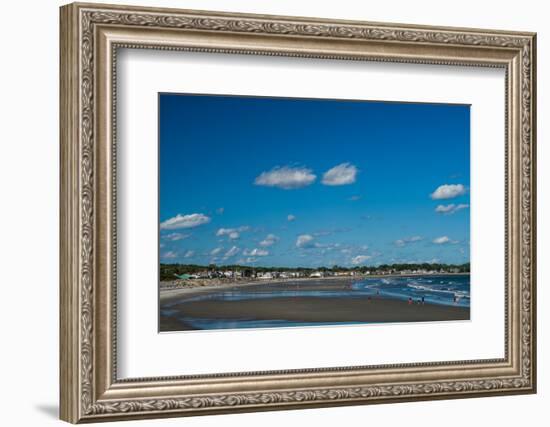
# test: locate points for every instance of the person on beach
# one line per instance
(422, 299)
(410, 300)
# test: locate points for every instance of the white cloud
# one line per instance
(174, 237)
(355, 198)
(360, 259)
(405, 241)
(269, 240)
(184, 221)
(304, 241)
(189, 254)
(441, 240)
(169, 255)
(256, 252)
(445, 208)
(343, 174)
(448, 191)
(287, 178)
(232, 252)
(224, 231)
(451, 208)
(232, 233)
(215, 251)
(248, 260)
(290, 218)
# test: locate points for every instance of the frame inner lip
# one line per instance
(340, 370)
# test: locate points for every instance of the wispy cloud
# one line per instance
(331, 231)
(249, 260)
(169, 255)
(441, 240)
(184, 221)
(305, 241)
(405, 241)
(328, 246)
(451, 208)
(360, 259)
(215, 251)
(355, 198)
(290, 218)
(189, 254)
(232, 233)
(286, 177)
(220, 211)
(269, 240)
(343, 174)
(174, 237)
(448, 191)
(256, 252)
(232, 252)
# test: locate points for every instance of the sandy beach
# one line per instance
(170, 293)
(178, 305)
(176, 288)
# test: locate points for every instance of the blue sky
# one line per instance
(312, 182)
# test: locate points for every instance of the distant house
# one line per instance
(317, 274)
(247, 273)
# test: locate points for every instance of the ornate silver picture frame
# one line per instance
(91, 390)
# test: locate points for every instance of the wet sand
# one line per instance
(327, 283)
(311, 309)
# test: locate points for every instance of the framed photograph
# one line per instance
(265, 212)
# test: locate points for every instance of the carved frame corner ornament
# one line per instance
(90, 36)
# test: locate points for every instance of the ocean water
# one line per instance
(435, 289)
(446, 290)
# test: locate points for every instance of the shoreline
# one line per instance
(170, 293)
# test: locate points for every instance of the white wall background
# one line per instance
(29, 170)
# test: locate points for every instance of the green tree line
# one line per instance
(168, 271)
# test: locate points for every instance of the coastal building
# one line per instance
(248, 273)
